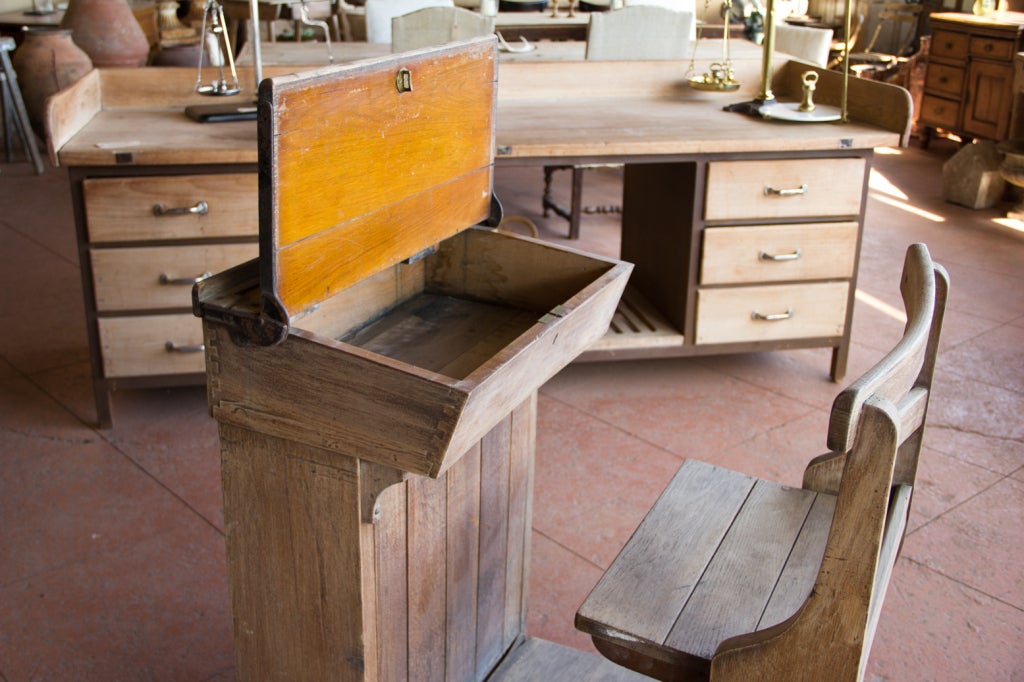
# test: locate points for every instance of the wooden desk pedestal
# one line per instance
(334, 576)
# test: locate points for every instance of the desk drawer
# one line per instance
(159, 277)
(172, 207)
(940, 112)
(138, 346)
(949, 44)
(992, 48)
(948, 80)
(793, 311)
(791, 188)
(777, 253)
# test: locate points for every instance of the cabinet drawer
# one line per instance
(171, 207)
(949, 44)
(138, 346)
(159, 277)
(791, 188)
(992, 48)
(794, 311)
(940, 112)
(948, 80)
(776, 253)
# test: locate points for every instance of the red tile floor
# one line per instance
(111, 541)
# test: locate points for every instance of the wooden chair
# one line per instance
(804, 42)
(379, 14)
(735, 578)
(642, 31)
(900, 21)
(437, 26)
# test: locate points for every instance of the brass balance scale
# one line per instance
(720, 77)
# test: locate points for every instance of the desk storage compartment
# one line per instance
(771, 313)
(789, 188)
(413, 365)
(940, 112)
(949, 44)
(776, 253)
(945, 79)
(991, 48)
(159, 277)
(150, 208)
(151, 345)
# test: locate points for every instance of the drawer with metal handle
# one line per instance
(778, 253)
(148, 208)
(153, 278)
(151, 345)
(786, 188)
(771, 312)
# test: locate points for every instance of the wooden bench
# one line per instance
(734, 578)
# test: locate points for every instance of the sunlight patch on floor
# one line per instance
(881, 306)
(902, 205)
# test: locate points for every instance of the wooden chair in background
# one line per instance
(379, 14)
(734, 578)
(807, 43)
(642, 31)
(437, 26)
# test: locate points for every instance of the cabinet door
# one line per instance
(987, 111)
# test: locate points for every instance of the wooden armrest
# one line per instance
(718, 555)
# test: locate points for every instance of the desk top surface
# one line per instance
(605, 111)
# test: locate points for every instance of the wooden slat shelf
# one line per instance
(638, 324)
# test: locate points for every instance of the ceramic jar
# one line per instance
(108, 32)
(48, 60)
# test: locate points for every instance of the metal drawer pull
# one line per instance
(796, 191)
(171, 347)
(201, 208)
(772, 318)
(167, 279)
(764, 255)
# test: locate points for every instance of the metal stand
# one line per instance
(11, 96)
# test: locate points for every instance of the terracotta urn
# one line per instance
(108, 32)
(48, 60)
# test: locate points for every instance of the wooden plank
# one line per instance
(642, 593)
(361, 173)
(391, 571)
(802, 567)
(496, 455)
(463, 556)
(427, 539)
(520, 518)
(735, 588)
(294, 577)
(68, 110)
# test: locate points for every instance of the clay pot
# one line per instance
(47, 61)
(107, 31)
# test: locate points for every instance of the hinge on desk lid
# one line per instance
(232, 298)
(496, 214)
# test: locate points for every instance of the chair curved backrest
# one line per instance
(875, 423)
(804, 42)
(676, 5)
(436, 26)
(379, 14)
(639, 32)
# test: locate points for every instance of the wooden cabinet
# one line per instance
(761, 253)
(145, 239)
(969, 82)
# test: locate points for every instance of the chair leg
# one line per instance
(572, 214)
(11, 90)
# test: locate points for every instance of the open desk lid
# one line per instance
(364, 165)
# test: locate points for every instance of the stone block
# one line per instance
(971, 176)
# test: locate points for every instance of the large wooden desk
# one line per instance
(694, 205)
